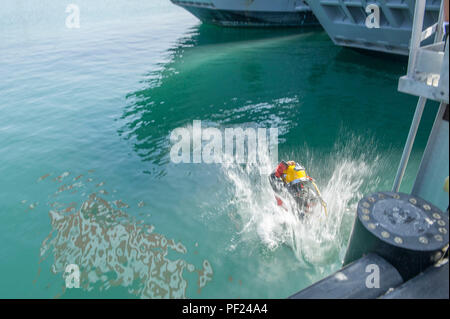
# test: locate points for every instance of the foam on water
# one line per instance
(112, 248)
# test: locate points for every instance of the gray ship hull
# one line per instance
(345, 23)
(248, 16)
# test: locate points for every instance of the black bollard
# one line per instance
(405, 230)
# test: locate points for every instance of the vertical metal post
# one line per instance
(416, 34)
(409, 143)
(439, 30)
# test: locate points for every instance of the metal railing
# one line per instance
(427, 76)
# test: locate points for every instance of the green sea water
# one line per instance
(85, 173)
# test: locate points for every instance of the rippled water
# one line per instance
(86, 178)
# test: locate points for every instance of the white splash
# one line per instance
(319, 239)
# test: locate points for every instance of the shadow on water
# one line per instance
(224, 76)
(284, 78)
(211, 34)
(373, 60)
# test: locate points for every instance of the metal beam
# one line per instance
(409, 143)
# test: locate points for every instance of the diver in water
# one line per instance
(291, 177)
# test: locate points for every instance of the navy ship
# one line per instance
(348, 23)
(252, 13)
